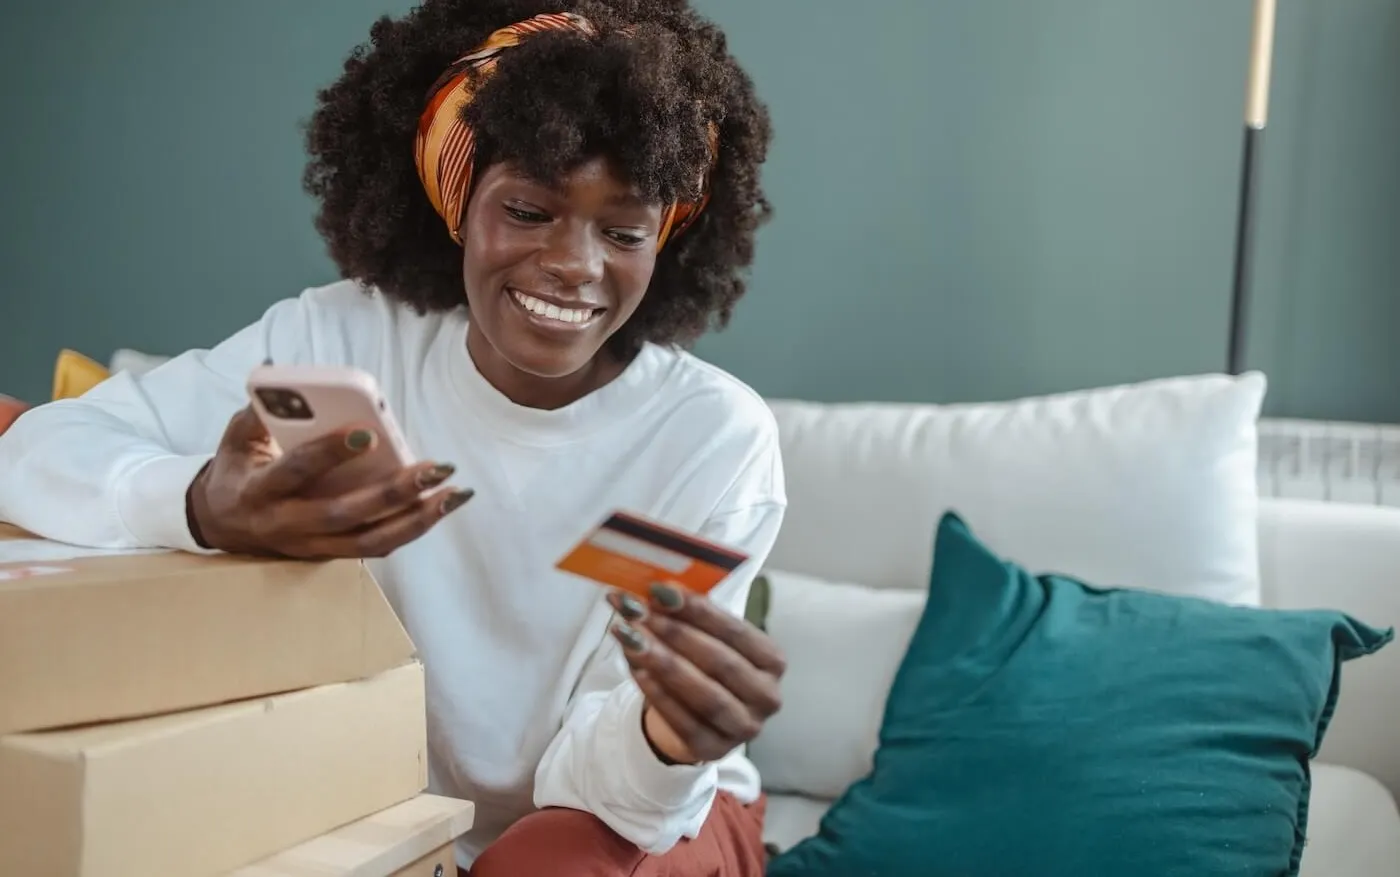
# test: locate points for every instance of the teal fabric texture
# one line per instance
(1041, 725)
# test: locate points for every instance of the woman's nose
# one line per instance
(573, 255)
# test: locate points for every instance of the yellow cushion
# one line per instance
(75, 374)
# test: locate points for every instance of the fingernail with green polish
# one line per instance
(456, 500)
(630, 638)
(667, 596)
(630, 607)
(359, 440)
(436, 475)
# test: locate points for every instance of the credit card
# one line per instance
(630, 552)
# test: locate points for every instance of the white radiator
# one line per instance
(1330, 461)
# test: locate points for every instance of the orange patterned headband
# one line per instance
(445, 147)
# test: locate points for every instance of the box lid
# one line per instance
(90, 636)
(377, 846)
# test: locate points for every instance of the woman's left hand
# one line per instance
(710, 679)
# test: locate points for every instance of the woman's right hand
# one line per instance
(248, 500)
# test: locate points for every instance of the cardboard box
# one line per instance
(199, 793)
(89, 636)
(436, 864)
(413, 839)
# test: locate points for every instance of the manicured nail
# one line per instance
(456, 500)
(630, 638)
(667, 596)
(436, 475)
(359, 440)
(630, 607)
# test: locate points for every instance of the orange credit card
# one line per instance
(633, 553)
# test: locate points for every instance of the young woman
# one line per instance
(535, 204)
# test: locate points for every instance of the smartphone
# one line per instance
(301, 403)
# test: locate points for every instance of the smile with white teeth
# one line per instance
(551, 311)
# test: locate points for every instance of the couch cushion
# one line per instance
(1032, 707)
(74, 374)
(135, 362)
(1152, 485)
(837, 637)
(1347, 557)
(1353, 825)
(10, 410)
(792, 818)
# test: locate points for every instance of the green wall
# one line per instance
(976, 199)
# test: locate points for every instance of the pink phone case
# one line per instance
(300, 403)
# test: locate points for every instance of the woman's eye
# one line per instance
(627, 238)
(522, 215)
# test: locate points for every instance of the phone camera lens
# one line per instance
(285, 404)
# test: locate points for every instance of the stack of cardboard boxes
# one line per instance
(167, 714)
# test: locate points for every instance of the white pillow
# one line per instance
(843, 644)
(135, 361)
(1149, 485)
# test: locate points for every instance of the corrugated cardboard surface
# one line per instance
(199, 793)
(440, 863)
(87, 638)
(406, 840)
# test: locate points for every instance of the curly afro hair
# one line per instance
(641, 100)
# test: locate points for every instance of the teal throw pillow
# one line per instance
(1040, 725)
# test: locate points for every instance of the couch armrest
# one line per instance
(1322, 555)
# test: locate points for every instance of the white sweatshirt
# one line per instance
(529, 700)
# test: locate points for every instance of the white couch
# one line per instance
(1309, 555)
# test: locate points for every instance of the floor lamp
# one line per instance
(1256, 117)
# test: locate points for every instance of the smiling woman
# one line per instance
(535, 206)
(654, 202)
(553, 271)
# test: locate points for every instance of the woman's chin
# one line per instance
(541, 356)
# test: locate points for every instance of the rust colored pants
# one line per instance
(570, 843)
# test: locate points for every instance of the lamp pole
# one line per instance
(1256, 118)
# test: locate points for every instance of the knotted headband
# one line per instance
(445, 147)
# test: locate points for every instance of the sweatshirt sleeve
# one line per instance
(600, 761)
(110, 469)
